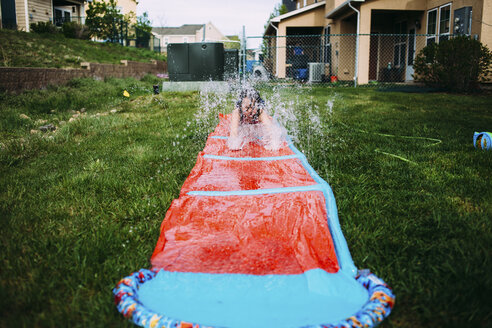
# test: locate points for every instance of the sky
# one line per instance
(228, 16)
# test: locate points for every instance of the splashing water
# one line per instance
(211, 104)
(295, 112)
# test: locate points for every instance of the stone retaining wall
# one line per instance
(17, 79)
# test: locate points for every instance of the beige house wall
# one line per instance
(346, 45)
(179, 38)
(127, 6)
(39, 11)
(21, 15)
(211, 34)
(315, 17)
(485, 30)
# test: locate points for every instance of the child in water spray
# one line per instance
(250, 121)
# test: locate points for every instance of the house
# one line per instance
(19, 14)
(371, 40)
(188, 33)
(127, 7)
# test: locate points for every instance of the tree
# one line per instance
(144, 23)
(458, 64)
(278, 10)
(105, 21)
(235, 44)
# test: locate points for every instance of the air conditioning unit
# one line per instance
(316, 71)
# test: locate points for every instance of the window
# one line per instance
(166, 41)
(185, 39)
(327, 45)
(431, 26)
(468, 32)
(62, 15)
(444, 22)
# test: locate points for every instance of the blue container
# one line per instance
(301, 74)
(482, 140)
(250, 64)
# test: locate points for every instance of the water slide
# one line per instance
(253, 241)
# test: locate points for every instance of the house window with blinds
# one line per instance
(431, 26)
(444, 22)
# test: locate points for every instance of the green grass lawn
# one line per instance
(81, 207)
(22, 49)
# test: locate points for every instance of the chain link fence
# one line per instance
(337, 59)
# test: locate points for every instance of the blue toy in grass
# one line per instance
(482, 140)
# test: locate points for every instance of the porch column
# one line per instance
(26, 10)
(364, 45)
(281, 50)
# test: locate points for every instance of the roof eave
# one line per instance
(269, 28)
(335, 12)
(276, 20)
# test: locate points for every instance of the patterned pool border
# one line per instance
(378, 307)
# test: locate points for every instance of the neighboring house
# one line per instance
(127, 7)
(438, 19)
(188, 33)
(19, 14)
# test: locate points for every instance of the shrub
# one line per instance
(458, 64)
(105, 20)
(150, 78)
(75, 30)
(43, 27)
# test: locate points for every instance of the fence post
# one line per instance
(276, 50)
(244, 43)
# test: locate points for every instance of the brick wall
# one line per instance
(17, 79)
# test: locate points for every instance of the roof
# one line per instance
(276, 20)
(187, 29)
(342, 8)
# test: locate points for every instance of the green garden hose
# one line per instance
(435, 141)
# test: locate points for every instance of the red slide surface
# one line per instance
(280, 231)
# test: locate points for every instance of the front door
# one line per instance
(411, 54)
(8, 17)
